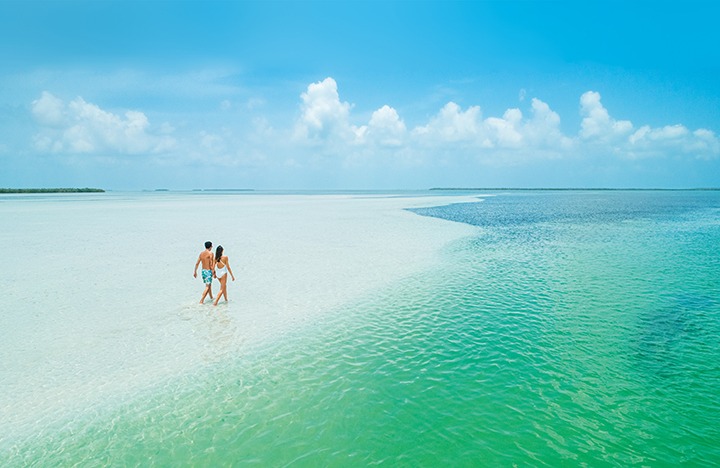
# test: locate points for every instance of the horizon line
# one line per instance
(7, 190)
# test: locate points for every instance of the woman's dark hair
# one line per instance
(218, 253)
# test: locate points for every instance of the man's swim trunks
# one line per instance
(207, 276)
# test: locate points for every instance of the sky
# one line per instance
(132, 95)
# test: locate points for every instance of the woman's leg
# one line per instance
(219, 294)
(223, 284)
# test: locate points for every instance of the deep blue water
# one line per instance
(507, 209)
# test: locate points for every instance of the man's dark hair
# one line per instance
(208, 244)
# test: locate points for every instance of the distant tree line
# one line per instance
(578, 189)
(51, 190)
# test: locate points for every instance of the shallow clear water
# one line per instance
(574, 328)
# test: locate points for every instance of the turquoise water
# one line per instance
(574, 328)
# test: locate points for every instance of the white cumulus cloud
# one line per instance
(326, 120)
(505, 132)
(49, 110)
(597, 123)
(542, 130)
(511, 131)
(386, 127)
(620, 138)
(673, 139)
(323, 114)
(83, 127)
(453, 124)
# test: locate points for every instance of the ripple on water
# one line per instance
(590, 342)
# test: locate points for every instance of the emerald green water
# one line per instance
(573, 329)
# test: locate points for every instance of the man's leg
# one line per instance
(207, 279)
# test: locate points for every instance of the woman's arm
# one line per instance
(227, 263)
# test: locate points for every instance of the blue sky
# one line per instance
(353, 95)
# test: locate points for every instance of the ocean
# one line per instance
(551, 328)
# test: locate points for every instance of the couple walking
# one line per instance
(213, 266)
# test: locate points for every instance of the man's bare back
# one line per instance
(207, 260)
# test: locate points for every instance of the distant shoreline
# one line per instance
(51, 190)
(439, 189)
(573, 189)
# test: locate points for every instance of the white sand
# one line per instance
(299, 256)
(104, 305)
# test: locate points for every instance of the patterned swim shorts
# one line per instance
(207, 276)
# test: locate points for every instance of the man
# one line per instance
(208, 262)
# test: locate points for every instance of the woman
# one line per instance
(222, 268)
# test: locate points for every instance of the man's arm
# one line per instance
(196, 265)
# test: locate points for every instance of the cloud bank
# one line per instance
(325, 125)
(79, 127)
(514, 136)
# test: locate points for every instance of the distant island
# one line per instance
(51, 190)
(476, 189)
(225, 190)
